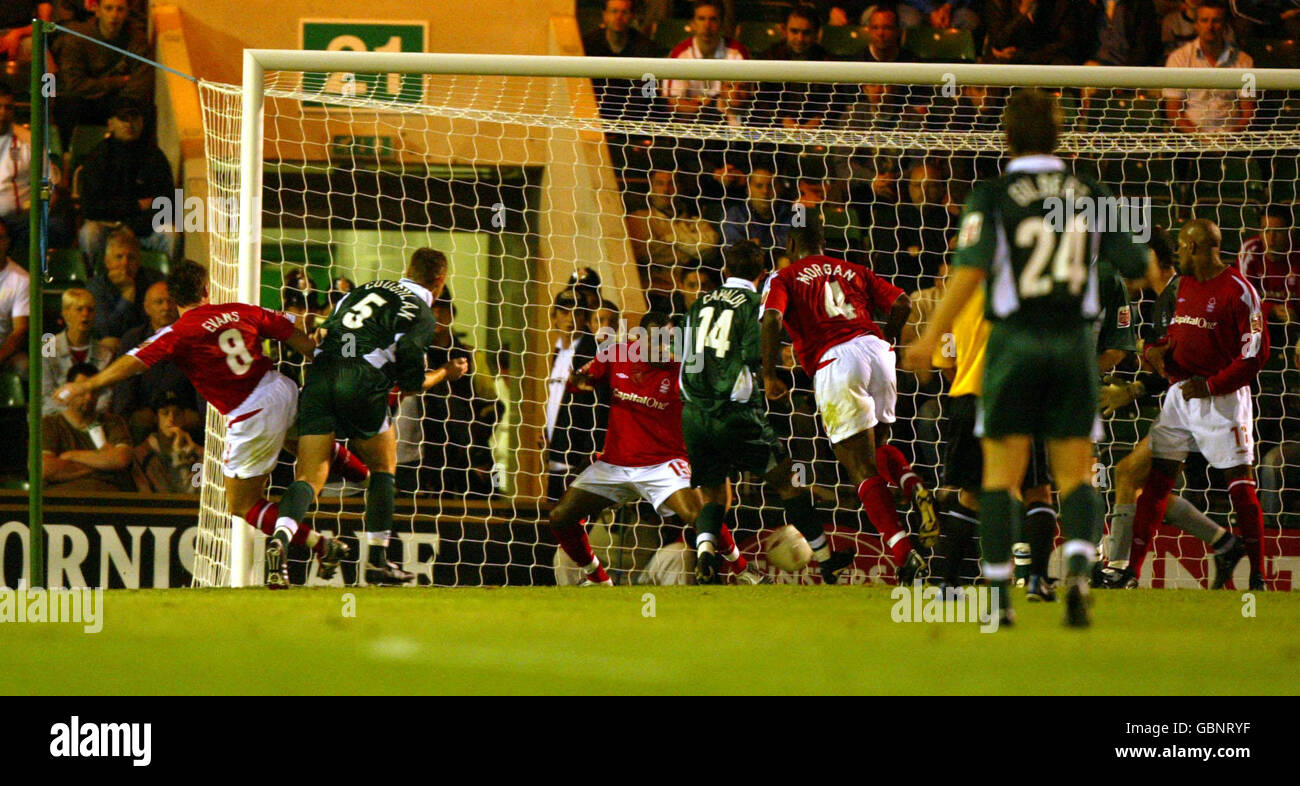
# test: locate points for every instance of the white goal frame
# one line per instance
(257, 62)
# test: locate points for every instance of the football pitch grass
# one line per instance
(783, 640)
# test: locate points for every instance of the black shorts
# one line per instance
(963, 461)
(346, 398)
(725, 442)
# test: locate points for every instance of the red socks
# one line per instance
(727, 548)
(1150, 512)
(1250, 518)
(893, 467)
(574, 542)
(879, 504)
(346, 464)
(263, 515)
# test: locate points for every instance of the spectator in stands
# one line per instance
(1195, 111)
(923, 228)
(1123, 33)
(457, 421)
(669, 232)
(571, 417)
(619, 98)
(15, 169)
(694, 284)
(16, 27)
(1179, 27)
(169, 458)
(120, 181)
(878, 106)
(120, 288)
(1271, 262)
(15, 310)
(885, 37)
(938, 14)
(93, 78)
(131, 398)
(795, 104)
(1036, 31)
(339, 289)
(85, 449)
(605, 322)
(708, 100)
(74, 345)
(762, 217)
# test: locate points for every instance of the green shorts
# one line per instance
(348, 399)
(1039, 382)
(727, 441)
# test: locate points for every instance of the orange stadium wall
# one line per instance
(581, 211)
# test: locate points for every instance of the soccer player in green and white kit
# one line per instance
(1041, 275)
(376, 338)
(724, 416)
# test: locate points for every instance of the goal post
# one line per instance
(506, 161)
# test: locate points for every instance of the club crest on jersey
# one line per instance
(1123, 317)
(663, 387)
(1209, 307)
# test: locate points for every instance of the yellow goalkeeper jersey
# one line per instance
(965, 350)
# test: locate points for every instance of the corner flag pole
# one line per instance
(40, 191)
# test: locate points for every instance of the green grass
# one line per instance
(770, 640)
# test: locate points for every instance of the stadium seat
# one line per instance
(12, 393)
(766, 11)
(758, 37)
(15, 484)
(671, 32)
(84, 139)
(155, 260)
(940, 46)
(66, 267)
(1275, 53)
(843, 40)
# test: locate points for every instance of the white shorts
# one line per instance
(654, 484)
(255, 429)
(856, 386)
(1218, 427)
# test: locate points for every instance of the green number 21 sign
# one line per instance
(348, 35)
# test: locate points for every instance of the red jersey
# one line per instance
(825, 302)
(645, 410)
(1276, 276)
(219, 349)
(1217, 332)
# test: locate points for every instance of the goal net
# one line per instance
(572, 195)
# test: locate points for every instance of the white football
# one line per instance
(787, 549)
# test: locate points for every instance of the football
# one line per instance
(787, 549)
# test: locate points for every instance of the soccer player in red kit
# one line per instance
(1215, 347)
(644, 456)
(828, 306)
(219, 349)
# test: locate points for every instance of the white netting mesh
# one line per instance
(524, 181)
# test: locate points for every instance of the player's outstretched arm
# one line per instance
(962, 284)
(450, 371)
(770, 346)
(301, 343)
(120, 369)
(897, 318)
